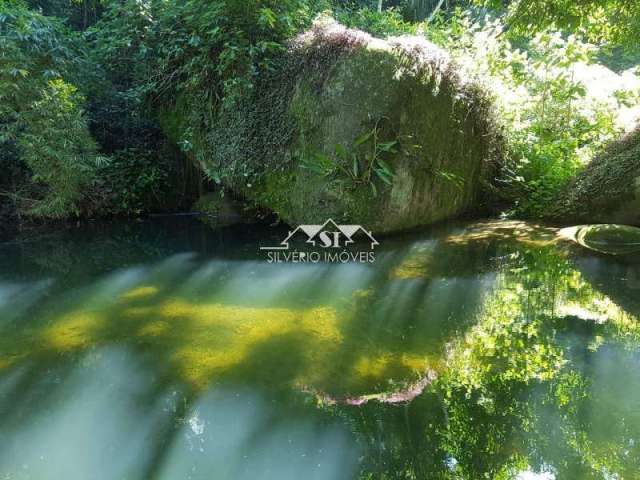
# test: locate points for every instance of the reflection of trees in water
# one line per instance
(343, 329)
(530, 386)
(527, 352)
(80, 253)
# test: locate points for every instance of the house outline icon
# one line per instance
(312, 231)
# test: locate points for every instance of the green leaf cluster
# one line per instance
(359, 164)
(42, 121)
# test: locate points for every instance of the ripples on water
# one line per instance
(165, 350)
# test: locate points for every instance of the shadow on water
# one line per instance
(164, 350)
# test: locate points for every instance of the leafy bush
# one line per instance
(56, 145)
(212, 49)
(552, 125)
(133, 182)
(41, 114)
(382, 24)
(603, 21)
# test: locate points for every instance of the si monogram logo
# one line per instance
(324, 241)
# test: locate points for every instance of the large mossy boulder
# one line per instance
(382, 133)
(608, 190)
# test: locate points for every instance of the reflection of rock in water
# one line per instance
(468, 250)
(403, 395)
(607, 258)
(617, 278)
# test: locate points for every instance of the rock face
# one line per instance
(609, 239)
(608, 191)
(378, 133)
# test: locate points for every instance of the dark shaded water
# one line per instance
(166, 350)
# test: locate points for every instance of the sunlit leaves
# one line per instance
(616, 21)
(41, 110)
(55, 143)
(554, 123)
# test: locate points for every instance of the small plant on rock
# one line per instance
(359, 164)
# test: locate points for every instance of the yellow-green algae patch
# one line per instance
(223, 336)
(155, 329)
(379, 365)
(73, 331)
(416, 265)
(201, 343)
(142, 292)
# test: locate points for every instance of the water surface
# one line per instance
(164, 349)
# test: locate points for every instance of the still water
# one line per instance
(167, 350)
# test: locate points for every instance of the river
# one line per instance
(165, 349)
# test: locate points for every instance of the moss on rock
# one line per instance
(371, 112)
(608, 190)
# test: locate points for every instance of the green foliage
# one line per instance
(49, 130)
(56, 145)
(34, 48)
(121, 44)
(203, 57)
(385, 23)
(553, 125)
(133, 182)
(561, 130)
(602, 21)
(212, 50)
(358, 164)
(41, 114)
(79, 14)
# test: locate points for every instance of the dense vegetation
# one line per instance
(85, 87)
